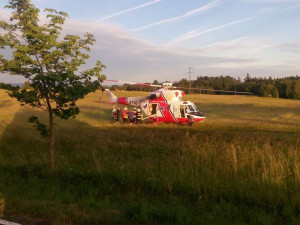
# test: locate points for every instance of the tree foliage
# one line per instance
(287, 87)
(49, 61)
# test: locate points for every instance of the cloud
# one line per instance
(269, 1)
(292, 7)
(129, 10)
(134, 59)
(279, 8)
(187, 14)
(4, 14)
(290, 47)
(238, 47)
(11, 79)
(38, 1)
(196, 33)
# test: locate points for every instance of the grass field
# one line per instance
(241, 166)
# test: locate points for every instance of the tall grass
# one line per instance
(241, 166)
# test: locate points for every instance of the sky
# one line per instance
(147, 40)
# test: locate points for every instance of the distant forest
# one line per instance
(287, 87)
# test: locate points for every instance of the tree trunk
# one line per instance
(51, 141)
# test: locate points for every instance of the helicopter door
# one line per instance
(152, 109)
(182, 111)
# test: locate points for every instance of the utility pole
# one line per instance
(190, 77)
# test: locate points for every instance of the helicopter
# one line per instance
(164, 105)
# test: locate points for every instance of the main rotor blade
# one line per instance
(141, 84)
(205, 89)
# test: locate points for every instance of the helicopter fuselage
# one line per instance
(163, 106)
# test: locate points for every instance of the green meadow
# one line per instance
(240, 166)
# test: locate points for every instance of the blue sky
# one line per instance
(143, 40)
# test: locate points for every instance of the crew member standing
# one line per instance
(130, 116)
(115, 115)
(125, 115)
(134, 115)
(139, 116)
(119, 115)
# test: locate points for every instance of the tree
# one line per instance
(288, 89)
(155, 82)
(296, 89)
(265, 90)
(247, 78)
(275, 92)
(50, 62)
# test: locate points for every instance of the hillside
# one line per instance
(241, 166)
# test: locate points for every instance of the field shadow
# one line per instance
(91, 165)
(108, 173)
(5, 103)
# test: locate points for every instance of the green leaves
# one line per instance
(8, 87)
(95, 71)
(67, 113)
(47, 60)
(49, 63)
(42, 128)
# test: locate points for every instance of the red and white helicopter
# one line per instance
(162, 105)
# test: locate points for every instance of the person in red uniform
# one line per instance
(125, 115)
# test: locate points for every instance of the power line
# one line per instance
(190, 79)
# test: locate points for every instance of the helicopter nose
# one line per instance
(200, 114)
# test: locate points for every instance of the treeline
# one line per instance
(287, 87)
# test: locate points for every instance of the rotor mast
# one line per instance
(167, 85)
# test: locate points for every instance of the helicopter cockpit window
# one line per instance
(195, 107)
(191, 108)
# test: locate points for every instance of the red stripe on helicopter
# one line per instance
(123, 101)
(159, 118)
(169, 116)
(173, 115)
(162, 95)
(143, 84)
